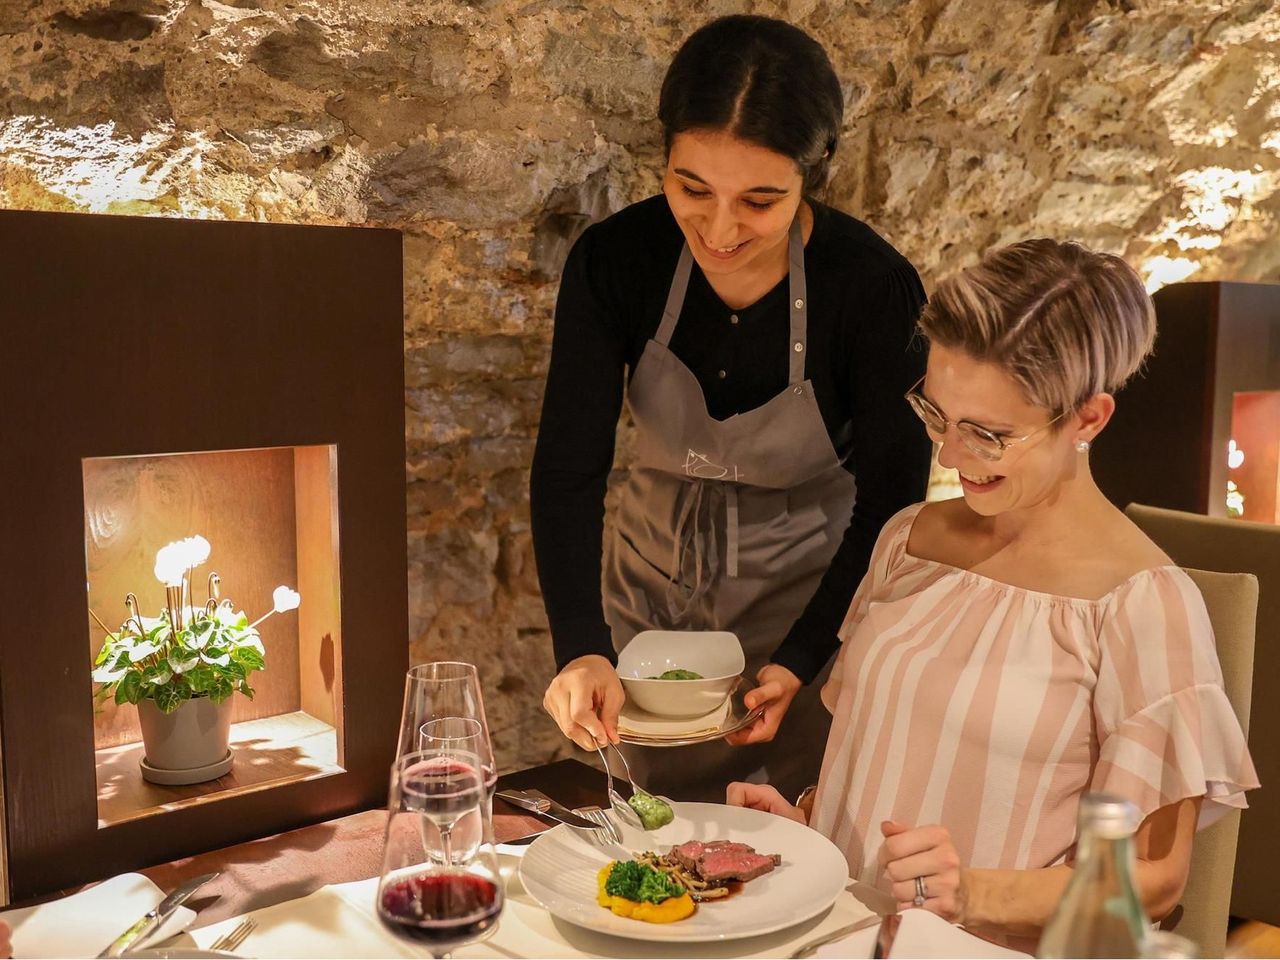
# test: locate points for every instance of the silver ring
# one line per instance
(921, 893)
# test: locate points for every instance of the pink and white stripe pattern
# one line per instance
(990, 709)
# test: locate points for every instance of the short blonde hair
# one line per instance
(1064, 321)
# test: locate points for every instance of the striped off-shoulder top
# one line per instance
(990, 709)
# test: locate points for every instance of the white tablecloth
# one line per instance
(339, 922)
(86, 923)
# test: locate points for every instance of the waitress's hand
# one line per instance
(778, 686)
(761, 796)
(584, 700)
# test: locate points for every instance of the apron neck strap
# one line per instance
(797, 304)
(675, 297)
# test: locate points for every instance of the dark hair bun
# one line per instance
(762, 80)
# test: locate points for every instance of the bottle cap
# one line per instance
(1108, 816)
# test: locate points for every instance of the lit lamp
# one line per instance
(181, 668)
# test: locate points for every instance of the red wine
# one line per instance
(439, 908)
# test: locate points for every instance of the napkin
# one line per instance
(921, 934)
(86, 923)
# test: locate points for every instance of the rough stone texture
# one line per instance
(491, 131)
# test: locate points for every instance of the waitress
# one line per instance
(764, 342)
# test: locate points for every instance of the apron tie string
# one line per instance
(695, 540)
(731, 527)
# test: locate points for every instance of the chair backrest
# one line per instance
(1232, 602)
(1238, 546)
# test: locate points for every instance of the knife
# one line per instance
(541, 804)
(149, 922)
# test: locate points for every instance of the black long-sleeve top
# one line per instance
(864, 298)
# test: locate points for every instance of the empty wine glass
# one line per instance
(443, 688)
(442, 901)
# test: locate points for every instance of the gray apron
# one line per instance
(727, 525)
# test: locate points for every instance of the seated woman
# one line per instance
(1010, 650)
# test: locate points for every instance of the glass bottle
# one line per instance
(1100, 914)
(1163, 945)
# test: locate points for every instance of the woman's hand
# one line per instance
(6, 942)
(584, 700)
(927, 852)
(778, 686)
(761, 796)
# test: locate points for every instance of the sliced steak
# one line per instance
(688, 854)
(719, 861)
(719, 866)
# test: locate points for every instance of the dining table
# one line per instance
(319, 881)
(311, 892)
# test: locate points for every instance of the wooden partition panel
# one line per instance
(130, 337)
(1166, 445)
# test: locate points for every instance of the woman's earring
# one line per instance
(1082, 446)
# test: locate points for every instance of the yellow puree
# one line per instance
(668, 911)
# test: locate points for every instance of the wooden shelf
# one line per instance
(269, 751)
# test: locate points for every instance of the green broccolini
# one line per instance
(640, 883)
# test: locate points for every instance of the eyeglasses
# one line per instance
(985, 443)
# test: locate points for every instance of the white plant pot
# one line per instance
(190, 745)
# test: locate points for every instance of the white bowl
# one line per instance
(715, 654)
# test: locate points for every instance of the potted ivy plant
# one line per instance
(182, 668)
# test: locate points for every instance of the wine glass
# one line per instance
(447, 736)
(444, 901)
(447, 690)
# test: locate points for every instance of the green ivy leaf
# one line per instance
(129, 689)
(200, 678)
(105, 652)
(250, 658)
(246, 689)
(221, 689)
(171, 696)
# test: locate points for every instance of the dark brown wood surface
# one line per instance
(1166, 446)
(289, 865)
(130, 336)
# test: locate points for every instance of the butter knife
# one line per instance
(149, 922)
(810, 948)
(541, 804)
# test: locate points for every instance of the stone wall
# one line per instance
(491, 131)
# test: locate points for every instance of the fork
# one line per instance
(624, 809)
(620, 806)
(229, 941)
(606, 831)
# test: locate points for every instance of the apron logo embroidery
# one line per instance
(697, 465)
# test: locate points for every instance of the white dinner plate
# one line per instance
(559, 871)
